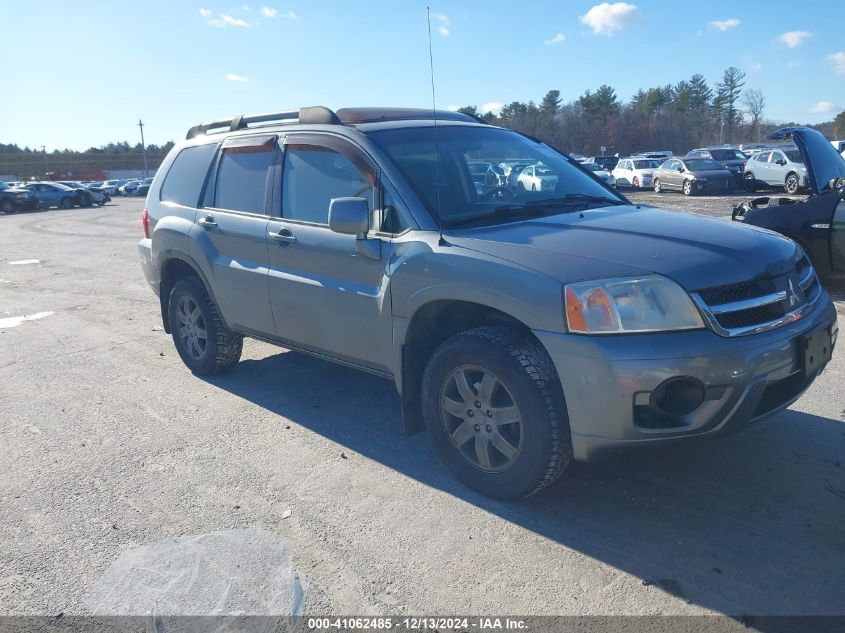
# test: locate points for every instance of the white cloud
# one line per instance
(223, 19)
(493, 106)
(290, 15)
(792, 39)
(823, 107)
(607, 19)
(452, 108)
(245, 7)
(724, 25)
(793, 64)
(837, 60)
(268, 12)
(443, 23)
(557, 39)
(234, 77)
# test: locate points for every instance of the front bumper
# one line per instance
(608, 380)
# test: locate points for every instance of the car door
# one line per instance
(837, 238)
(670, 176)
(229, 236)
(777, 168)
(328, 295)
(761, 167)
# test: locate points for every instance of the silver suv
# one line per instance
(523, 329)
(779, 167)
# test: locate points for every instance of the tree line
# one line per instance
(676, 117)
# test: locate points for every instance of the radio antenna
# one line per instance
(441, 241)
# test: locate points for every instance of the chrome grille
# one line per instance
(762, 304)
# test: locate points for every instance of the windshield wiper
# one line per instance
(567, 203)
(572, 198)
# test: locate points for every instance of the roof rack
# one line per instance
(311, 115)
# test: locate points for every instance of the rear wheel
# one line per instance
(493, 405)
(204, 343)
(750, 182)
(8, 207)
(792, 184)
(657, 188)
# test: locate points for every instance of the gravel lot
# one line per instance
(719, 206)
(109, 443)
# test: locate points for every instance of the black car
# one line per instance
(13, 199)
(85, 197)
(731, 159)
(608, 163)
(817, 223)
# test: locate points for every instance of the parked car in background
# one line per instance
(53, 194)
(87, 196)
(112, 185)
(777, 168)
(142, 189)
(693, 176)
(128, 188)
(536, 178)
(601, 173)
(635, 172)
(731, 159)
(14, 199)
(659, 155)
(608, 163)
(817, 223)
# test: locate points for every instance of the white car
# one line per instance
(635, 172)
(536, 178)
(600, 173)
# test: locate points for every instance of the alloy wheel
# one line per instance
(191, 327)
(481, 418)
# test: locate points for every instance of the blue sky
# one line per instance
(84, 73)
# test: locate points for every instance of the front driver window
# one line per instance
(313, 175)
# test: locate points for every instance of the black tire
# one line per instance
(687, 188)
(527, 376)
(66, 203)
(222, 348)
(792, 184)
(8, 207)
(657, 187)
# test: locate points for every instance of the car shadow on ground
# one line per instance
(748, 524)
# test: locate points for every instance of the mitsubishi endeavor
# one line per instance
(523, 329)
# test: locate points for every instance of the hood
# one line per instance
(824, 165)
(696, 251)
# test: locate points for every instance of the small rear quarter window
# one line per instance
(186, 176)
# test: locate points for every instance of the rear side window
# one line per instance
(184, 181)
(243, 176)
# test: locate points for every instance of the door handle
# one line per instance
(208, 222)
(283, 235)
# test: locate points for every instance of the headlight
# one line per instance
(630, 304)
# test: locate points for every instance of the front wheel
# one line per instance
(657, 188)
(688, 187)
(204, 343)
(792, 184)
(66, 203)
(493, 405)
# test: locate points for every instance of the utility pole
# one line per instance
(143, 146)
(46, 169)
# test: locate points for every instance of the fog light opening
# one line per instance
(678, 396)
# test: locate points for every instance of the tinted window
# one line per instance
(313, 176)
(186, 176)
(242, 178)
(763, 157)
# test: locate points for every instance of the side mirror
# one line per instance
(681, 169)
(349, 216)
(781, 162)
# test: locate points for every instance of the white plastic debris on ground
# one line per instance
(16, 321)
(206, 582)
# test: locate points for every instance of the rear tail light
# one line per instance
(145, 222)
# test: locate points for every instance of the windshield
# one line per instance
(646, 164)
(727, 154)
(701, 164)
(534, 174)
(593, 166)
(3, 186)
(794, 156)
